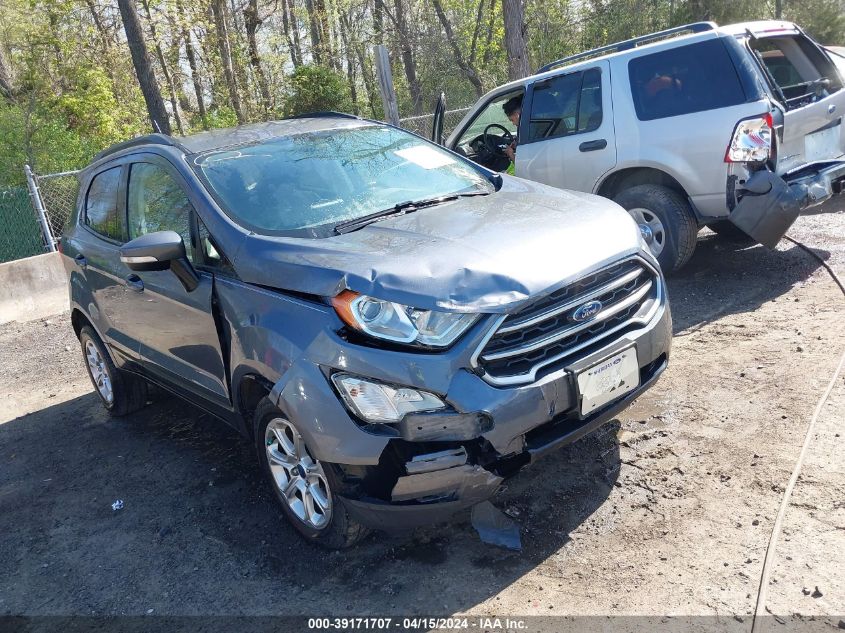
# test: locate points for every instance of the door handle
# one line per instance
(831, 108)
(592, 146)
(135, 283)
(81, 261)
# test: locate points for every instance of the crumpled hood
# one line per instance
(478, 254)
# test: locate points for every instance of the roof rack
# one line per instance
(146, 139)
(695, 27)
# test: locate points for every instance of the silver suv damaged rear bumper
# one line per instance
(771, 203)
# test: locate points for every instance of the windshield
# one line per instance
(308, 183)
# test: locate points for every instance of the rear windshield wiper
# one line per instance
(409, 206)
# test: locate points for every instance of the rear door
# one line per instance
(806, 81)
(93, 248)
(176, 331)
(566, 136)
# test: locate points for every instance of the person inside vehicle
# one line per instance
(513, 110)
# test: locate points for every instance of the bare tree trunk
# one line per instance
(143, 67)
(519, 65)
(7, 76)
(291, 33)
(314, 29)
(219, 11)
(407, 54)
(192, 64)
(488, 40)
(468, 70)
(325, 33)
(251, 24)
(171, 86)
(350, 61)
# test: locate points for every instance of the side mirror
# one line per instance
(162, 250)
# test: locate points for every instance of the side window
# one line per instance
(156, 202)
(685, 79)
(211, 253)
(565, 105)
(494, 113)
(101, 212)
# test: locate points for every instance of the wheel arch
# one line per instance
(250, 387)
(617, 181)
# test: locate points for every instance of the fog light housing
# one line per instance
(380, 403)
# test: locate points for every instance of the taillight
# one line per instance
(752, 140)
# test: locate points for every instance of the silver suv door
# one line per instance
(566, 134)
(806, 82)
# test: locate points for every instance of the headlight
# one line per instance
(401, 324)
(378, 402)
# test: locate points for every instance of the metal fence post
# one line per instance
(35, 195)
(385, 84)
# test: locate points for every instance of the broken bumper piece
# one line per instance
(771, 204)
(426, 495)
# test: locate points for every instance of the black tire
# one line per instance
(674, 212)
(731, 232)
(129, 392)
(342, 530)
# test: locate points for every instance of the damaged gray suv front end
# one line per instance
(393, 367)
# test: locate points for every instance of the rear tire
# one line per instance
(730, 232)
(664, 216)
(120, 392)
(314, 508)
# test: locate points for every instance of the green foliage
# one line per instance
(317, 88)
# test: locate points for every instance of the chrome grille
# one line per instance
(544, 335)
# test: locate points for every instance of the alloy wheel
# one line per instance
(300, 479)
(651, 229)
(99, 371)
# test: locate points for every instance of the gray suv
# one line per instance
(737, 127)
(396, 328)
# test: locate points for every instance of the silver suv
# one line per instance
(737, 128)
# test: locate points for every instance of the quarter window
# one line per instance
(101, 212)
(566, 105)
(683, 80)
(156, 202)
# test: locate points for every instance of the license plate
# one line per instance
(608, 380)
(823, 145)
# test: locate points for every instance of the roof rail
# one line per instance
(326, 114)
(695, 27)
(146, 139)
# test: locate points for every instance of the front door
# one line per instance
(566, 136)
(176, 331)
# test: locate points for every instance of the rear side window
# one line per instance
(682, 80)
(101, 212)
(156, 202)
(566, 105)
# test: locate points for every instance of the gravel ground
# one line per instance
(666, 510)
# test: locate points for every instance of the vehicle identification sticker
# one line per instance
(424, 156)
(608, 380)
(823, 145)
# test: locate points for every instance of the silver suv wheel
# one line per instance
(651, 229)
(99, 371)
(298, 476)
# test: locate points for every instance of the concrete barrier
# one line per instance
(32, 288)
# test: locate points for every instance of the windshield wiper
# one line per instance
(402, 208)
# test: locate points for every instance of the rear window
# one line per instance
(683, 80)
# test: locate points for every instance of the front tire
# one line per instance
(120, 392)
(666, 222)
(305, 488)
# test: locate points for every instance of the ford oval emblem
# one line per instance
(587, 311)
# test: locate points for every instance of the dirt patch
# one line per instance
(666, 510)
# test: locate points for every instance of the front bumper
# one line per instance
(430, 466)
(771, 203)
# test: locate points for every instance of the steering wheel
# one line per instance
(495, 143)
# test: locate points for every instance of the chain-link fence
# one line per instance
(422, 124)
(20, 235)
(58, 196)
